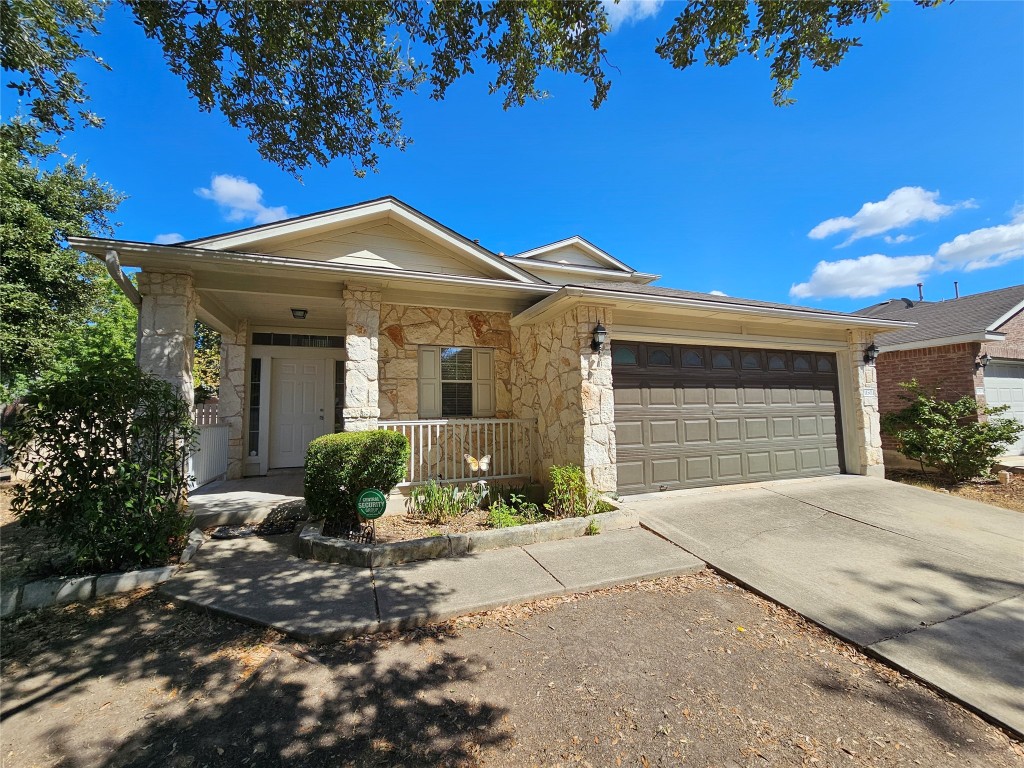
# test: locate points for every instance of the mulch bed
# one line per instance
(1009, 496)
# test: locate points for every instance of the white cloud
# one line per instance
(717, 293)
(168, 238)
(862, 277)
(899, 239)
(241, 200)
(901, 208)
(625, 12)
(984, 248)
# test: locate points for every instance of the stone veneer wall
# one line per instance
(558, 380)
(403, 329)
(234, 375)
(865, 407)
(362, 324)
(166, 330)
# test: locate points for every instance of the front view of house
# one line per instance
(377, 316)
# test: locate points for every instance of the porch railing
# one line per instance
(439, 447)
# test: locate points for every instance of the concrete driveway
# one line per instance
(930, 582)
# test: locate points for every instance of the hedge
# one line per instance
(341, 466)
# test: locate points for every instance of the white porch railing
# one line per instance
(210, 459)
(439, 445)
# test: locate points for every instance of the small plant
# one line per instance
(439, 504)
(571, 495)
(341, 466)
(107, 451)
(948, 435)
(515, 511)
(592, 528)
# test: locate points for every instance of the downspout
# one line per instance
(128, 289)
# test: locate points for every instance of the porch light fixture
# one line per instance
(871, 354)
(600, 337)
(299, 314)
(982, 361)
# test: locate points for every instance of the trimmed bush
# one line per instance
(948, 435)
(107, 452)
(341, 466)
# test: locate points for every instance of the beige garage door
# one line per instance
(689, 416)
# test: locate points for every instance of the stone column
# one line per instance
(597, 400)
(362, 324)
(166, 330)
(234, 376)
(865, 408)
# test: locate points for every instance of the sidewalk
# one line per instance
(259, 581)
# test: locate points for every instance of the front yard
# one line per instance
(682, 671)
(1009, 496)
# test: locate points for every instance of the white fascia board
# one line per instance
(387, 208)
(1006, 317)
(188, 259)
(966, 338)
(584, 245)
(571, 294)
(638, 277)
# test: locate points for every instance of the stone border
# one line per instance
(77, 589)
(313, 545)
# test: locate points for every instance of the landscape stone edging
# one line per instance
(313, 545)
(76, 589)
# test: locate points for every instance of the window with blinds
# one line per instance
(456, 382)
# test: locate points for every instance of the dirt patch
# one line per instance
(681, 671)
(26, 552)
(1009, 496)
(404, 527)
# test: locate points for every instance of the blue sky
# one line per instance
(905, 163)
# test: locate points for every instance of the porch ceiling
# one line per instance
(226, 308)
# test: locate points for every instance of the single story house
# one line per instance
(377, 316)
(971, 345)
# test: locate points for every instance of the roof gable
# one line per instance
(383, 233)
(575, 251)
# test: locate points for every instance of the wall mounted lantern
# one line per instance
(600, 337)
(982, 361)
(871, 354)
(299, 314)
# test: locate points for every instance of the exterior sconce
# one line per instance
(299, 314)
(871, 354)
(600, 337)
(982, 361)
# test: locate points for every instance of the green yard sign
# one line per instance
(371, 504)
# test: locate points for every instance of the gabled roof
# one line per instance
(969, 318)
(601, 257)
(250, 239)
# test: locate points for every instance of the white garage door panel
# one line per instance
(1004, 385)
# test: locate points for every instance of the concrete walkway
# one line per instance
(930, 582)
(252, 500)
(258, 580)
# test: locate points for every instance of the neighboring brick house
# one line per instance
(971, 345)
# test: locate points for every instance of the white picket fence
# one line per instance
(210, 459)
(439, 447)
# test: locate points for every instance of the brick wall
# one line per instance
(1013, 347)
(948, 369)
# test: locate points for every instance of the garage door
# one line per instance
(1004, 385)
(688, 416)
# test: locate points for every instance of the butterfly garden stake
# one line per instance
(479, 465)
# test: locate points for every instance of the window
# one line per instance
(339, 395)
(456, 382)
(298, 340)
(623, 355)
(659, 356)
(255, 371)
(693, 359)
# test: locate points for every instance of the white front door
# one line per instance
(296, 411)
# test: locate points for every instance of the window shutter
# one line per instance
(483, 382)
(430, 382)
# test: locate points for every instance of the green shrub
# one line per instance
(107, 451)
(947, 435)
(592, 528)
(571, 495)
(439, 504)
(515, 511)
(341, 466)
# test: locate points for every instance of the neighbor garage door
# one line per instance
(688, 416)
(1004, 385)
